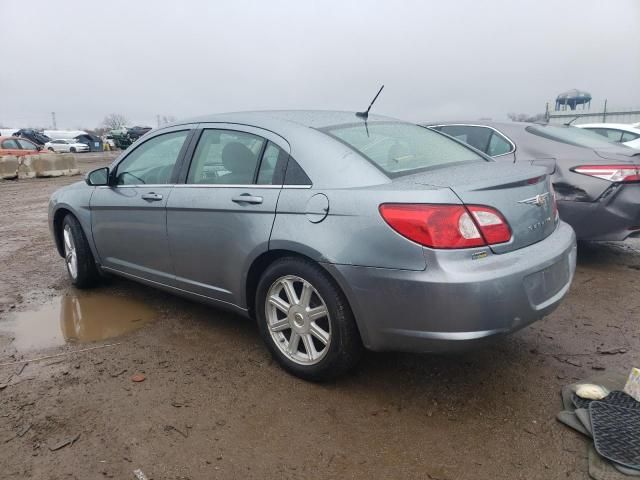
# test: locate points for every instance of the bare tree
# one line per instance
(525, 117)
(114, 120)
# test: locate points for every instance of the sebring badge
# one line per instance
(538, 200)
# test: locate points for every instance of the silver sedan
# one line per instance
(335, 232)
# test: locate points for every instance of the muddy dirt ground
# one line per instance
(214, 405)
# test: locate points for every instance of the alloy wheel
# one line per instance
(298, 320)
(70, 255)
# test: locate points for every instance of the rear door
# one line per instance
(220, 218)
(128, 218)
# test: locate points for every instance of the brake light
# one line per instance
(447, 226)
(613, 173)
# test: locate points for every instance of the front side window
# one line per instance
(152, 162)
(225, 157)
(26, 145)
(401, 148)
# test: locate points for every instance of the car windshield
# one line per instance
(402, 148)
(571, 135)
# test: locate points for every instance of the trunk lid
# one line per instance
(619, 154)
(522, 194)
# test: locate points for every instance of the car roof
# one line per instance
(489, 123)
(319, 155)
(621, 126)
(305, 118)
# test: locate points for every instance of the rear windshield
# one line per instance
(402, 148)
(570, 135)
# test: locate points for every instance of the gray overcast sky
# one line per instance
(437, 59)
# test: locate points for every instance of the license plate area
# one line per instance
(544, 284)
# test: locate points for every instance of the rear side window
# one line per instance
(498, 145)
(477, 137)
(401, 148)
(628, 136)
(272, 166)
(226, 157)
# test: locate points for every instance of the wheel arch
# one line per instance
(58, 218)
(262, 262)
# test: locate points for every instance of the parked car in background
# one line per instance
(35, 136)
(92, 141)
(331, 230)
(17, 146)
(137, 132)
(597, 183)
(63, 145)
(616, 132)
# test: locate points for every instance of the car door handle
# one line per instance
(247, 198)
(153, 197)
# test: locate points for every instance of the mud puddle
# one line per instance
(75, 318)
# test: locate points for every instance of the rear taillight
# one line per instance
(447, 226)
(613, 173)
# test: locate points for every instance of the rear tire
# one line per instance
(305, 320)
(79, 260)
(50, 149)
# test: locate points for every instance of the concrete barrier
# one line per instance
(41, 165)
(9, 167)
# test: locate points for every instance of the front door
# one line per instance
(220, 219)
(128, 219)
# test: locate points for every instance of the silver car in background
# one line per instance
(597, 183)
(333, 231)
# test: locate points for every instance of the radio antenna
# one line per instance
(365, 114)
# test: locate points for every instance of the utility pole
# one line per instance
(158, 119)
(604, 112)
(53, 120)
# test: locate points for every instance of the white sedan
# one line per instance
(616, 132)
(62, 145)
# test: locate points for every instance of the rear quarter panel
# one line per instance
(353, 232)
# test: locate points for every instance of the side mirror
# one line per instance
(98, 177)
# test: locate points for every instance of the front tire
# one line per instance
(50, 149)
(73, 150)
(79, 260)
(305, 320)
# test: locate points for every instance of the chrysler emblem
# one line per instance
(538, 200)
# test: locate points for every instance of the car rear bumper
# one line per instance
(457, 302)
(613, 217)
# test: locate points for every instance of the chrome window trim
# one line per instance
(513, 145)
(229, 185)
(210, 185)
(139, 185)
